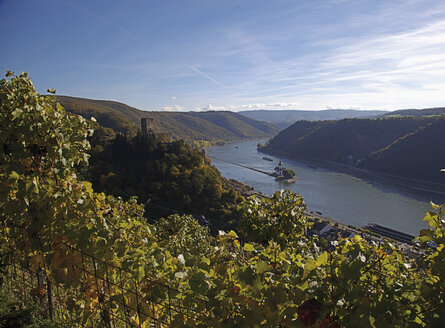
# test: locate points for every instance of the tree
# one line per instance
(172, 177)
(288, 173)
(279, 218)
(48, 216)
(183, 235)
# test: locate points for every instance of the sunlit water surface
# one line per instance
(347, 198)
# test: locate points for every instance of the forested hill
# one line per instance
(188, 126)
(420, 154)
(409, 147)
(437, 111)
(284, 118)
(173, 177)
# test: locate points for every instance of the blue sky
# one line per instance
(231, 54)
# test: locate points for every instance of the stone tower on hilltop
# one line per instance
(147, 126)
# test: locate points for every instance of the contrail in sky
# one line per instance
(204, 75)
(101, 18)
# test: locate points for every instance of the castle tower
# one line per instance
(279, 169)
(147, 125)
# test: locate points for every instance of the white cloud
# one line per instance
(211, 107)
(175, 108)
(384, 53)
(403, 70)
(236, 108)
(173, 98)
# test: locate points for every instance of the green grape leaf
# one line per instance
(248, 247)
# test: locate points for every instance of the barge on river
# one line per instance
(390, 233)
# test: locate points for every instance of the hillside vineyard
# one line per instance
(98, 261)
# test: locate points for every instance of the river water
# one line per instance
(341, 195)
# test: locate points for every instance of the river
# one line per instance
(343, 196)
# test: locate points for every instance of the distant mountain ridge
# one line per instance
(189, 126)
(411, 146)
(437, 111)
(284, 118)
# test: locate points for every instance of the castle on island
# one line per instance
(279, 169)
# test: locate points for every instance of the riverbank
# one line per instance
(330, 229)
(288, 181)
(418, 185)
(332, 190)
